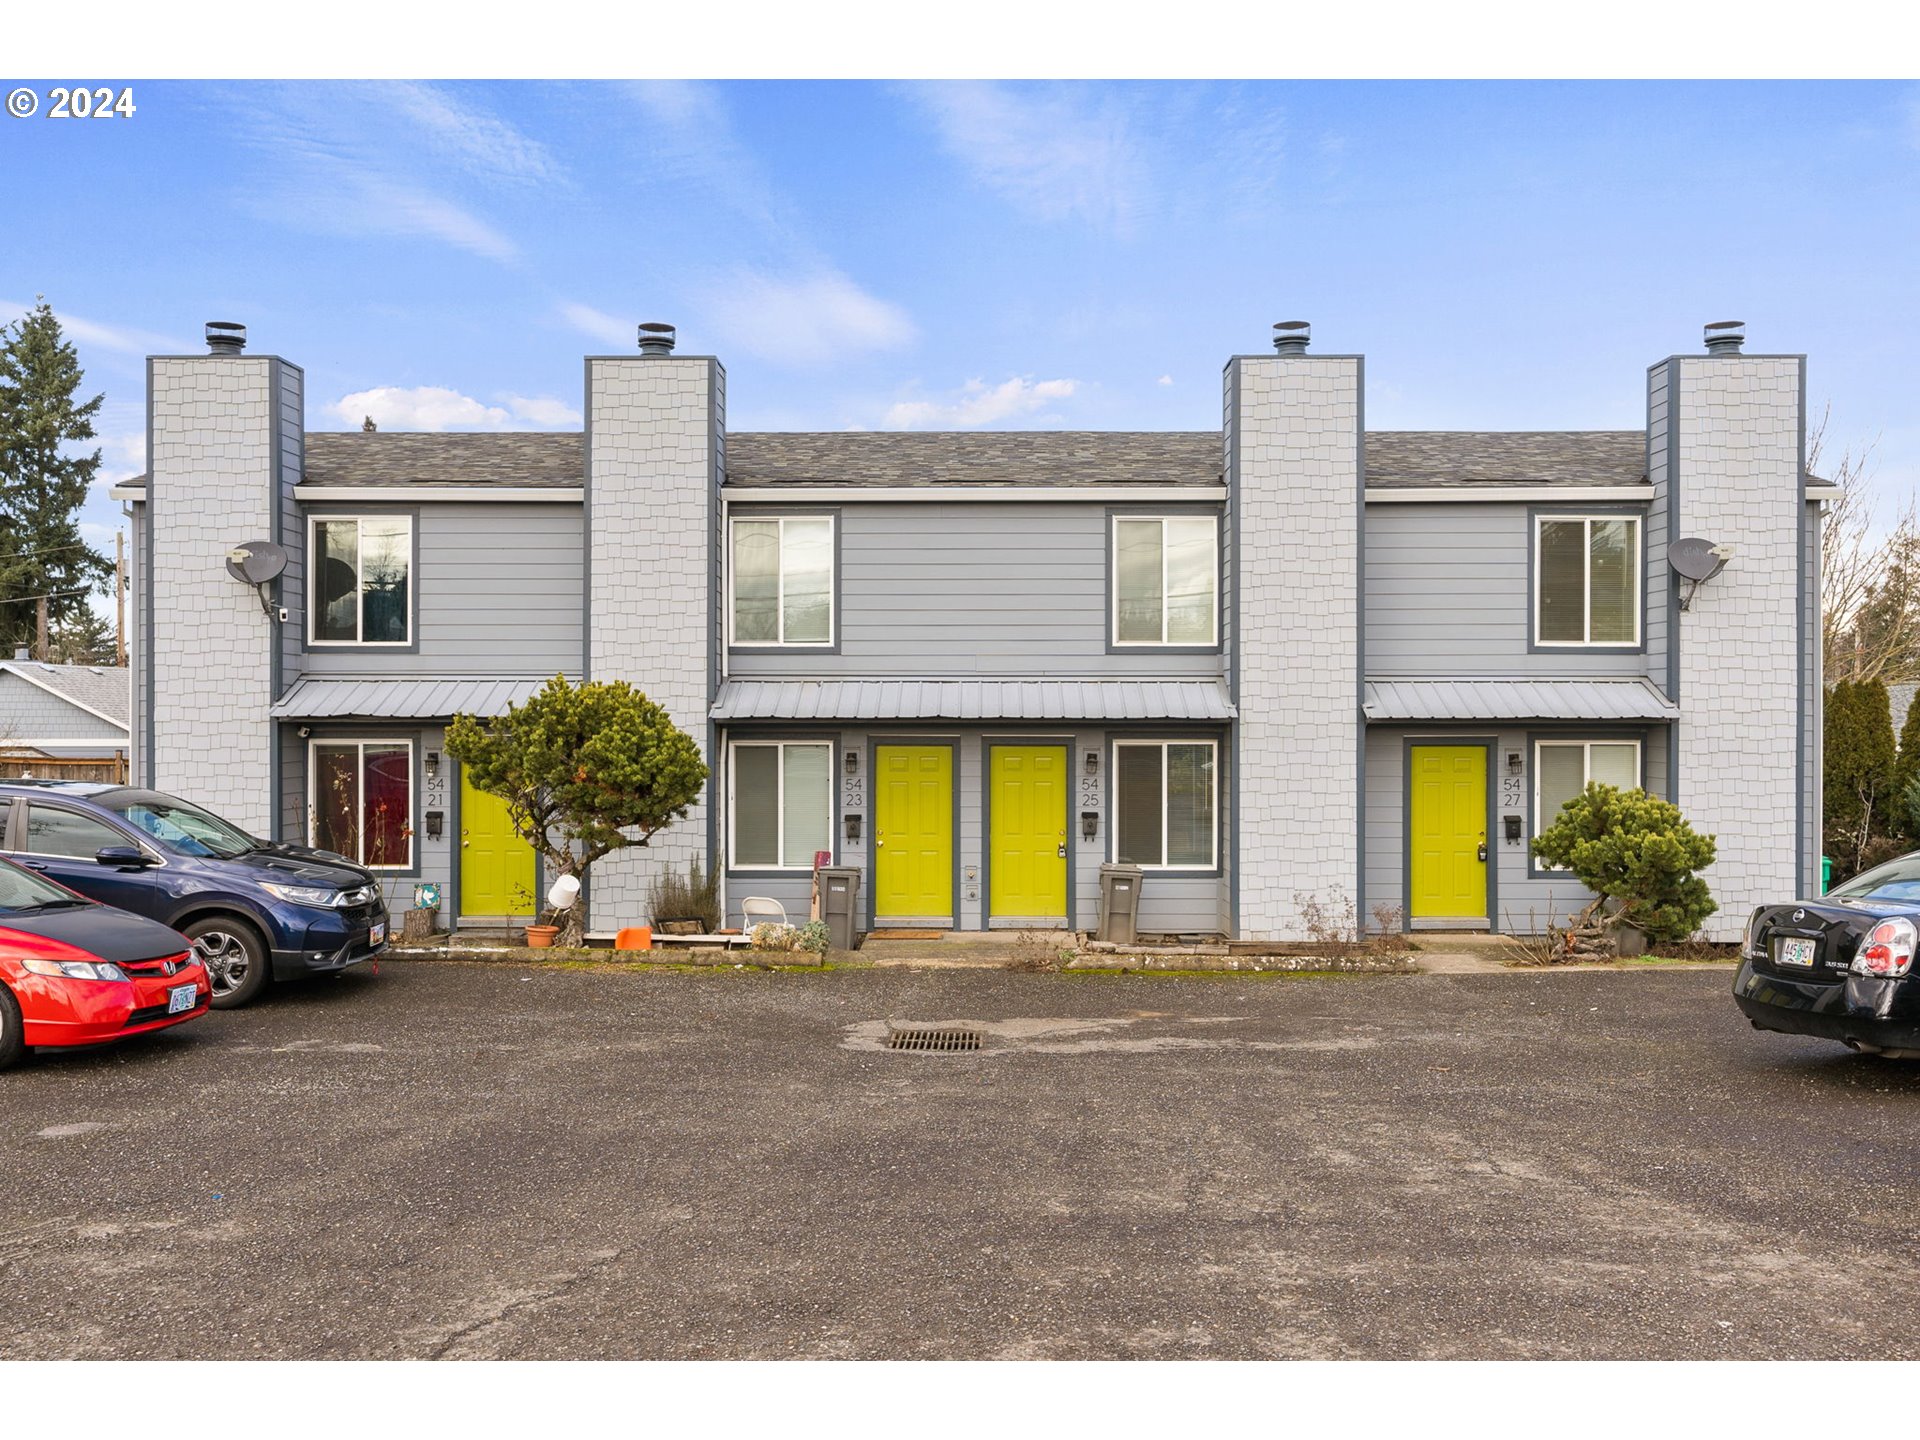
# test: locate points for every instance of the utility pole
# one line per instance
(119, 597)
(40, 629)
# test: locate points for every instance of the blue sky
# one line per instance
(1082, 255)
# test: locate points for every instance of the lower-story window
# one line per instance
(781, 803)
(361, 799)
(1562, 768)
(1164, 793)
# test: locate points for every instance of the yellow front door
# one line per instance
(496, 865)
(1027, 846)
(913, 832)
(1447, 844)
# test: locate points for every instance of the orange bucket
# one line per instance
(634, 937)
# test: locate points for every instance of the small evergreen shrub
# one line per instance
(1638, 854)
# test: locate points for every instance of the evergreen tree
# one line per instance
(42, 483)
(1905, 821)
(84, 639)
(1858, 774)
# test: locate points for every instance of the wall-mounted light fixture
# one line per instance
(436, 820)
(1513, 762)
(851, 824)
(433, 762)
(853, 762)
(1093, 762)
(1089, 824)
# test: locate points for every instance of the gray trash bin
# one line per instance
(1119, 903)
(839, 896)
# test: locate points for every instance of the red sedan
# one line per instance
(75, 972)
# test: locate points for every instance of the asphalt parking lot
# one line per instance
(481, 1161)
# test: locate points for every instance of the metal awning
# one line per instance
(1035, 700)
(401, 699)
(1516, 700)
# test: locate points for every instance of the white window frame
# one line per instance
(359, 612)
(386, 742)
(1113, 585)
(1635, 549)
(734, 862)
(1113, 808)
(1584, 745)
(780, 601)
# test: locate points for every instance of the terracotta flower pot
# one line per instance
(539, 937)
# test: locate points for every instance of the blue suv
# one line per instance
(250, 907)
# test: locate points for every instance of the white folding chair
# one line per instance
(768, 912)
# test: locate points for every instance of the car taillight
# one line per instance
(1888, 949)
(1746, 940)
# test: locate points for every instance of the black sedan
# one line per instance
(1840, 967)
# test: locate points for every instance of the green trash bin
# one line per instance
(1826, 873)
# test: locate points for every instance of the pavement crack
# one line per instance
(507, 1304)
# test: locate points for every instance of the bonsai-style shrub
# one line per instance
(1638, 855)
(585, 770)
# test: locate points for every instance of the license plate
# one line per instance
(181, 997)
(1796, 952)
(376, 933)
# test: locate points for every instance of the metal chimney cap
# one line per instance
(656, 338)
(1725, 337)
(225, 337)
(1291, 337)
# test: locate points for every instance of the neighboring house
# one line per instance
(1284, 664)
(63, 722)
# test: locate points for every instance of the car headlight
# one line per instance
(76, 969)
(304, 894)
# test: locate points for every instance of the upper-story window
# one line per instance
(1166, 580)
(1586, 572)
(362, 585)
(782, 575)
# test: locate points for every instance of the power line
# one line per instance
(50, 595)
(50, 550)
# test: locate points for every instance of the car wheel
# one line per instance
(12, 1038)
(235, 957)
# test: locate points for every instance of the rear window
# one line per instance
(1896, 881)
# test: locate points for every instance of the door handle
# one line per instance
(1062, 851)
(1483, 852)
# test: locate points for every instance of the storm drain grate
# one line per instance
(924, 1038)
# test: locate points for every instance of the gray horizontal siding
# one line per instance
(974, 589)
(28, 713)
(498, 593)
(1448, 592)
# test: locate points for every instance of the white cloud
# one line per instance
(481, 143)
(434, 407)
(545, 410)
(1164, 380)
(977, 404)
(598, 325)
(803, 319)
(1059, 152)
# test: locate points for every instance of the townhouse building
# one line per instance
(1287, 665)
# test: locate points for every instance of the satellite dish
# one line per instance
(256, 561)
(1696, 560)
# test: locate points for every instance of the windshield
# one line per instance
(21, 889)
(1897, 881)
(187, 830)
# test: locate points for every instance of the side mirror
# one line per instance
(123, 856)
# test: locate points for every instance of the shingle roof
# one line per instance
(1050, 700)
(1429, 700)
(102, 689)
(1400, 458)
(356, 457)
(975, 457)
(1396, 459)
